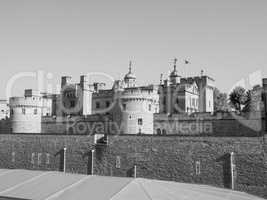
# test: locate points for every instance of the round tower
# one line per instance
(26, 112)
(137, 108)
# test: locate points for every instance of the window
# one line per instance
(47, 159)
(149, 107)
(32, 158)
(12, 112)
(158, 131)
(13, 156)
(197, 167)
(97, 104)
(35, 111)
(107, 104)
(39, 158)
(124, 106)
(118, 162)
(72, 104)
(23, 111)
(140, 121)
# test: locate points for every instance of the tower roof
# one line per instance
(130, 74)
(174, 72)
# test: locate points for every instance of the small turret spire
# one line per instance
(174, 64)
(130, 66)
(161, 79)
(202, 72)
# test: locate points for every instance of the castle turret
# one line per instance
(26, 112)
(86, 95)
(65, 80)
(174, 77)
(130, 78)
(137, 108)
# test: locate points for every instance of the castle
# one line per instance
(130, 106)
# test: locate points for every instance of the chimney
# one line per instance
(65, 80)
(84, 81)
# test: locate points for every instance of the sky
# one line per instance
(227, 39)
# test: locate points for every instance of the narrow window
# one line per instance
(35, 111)
(140, 121)
(118, 162)
(47, 159)
(32, 158)
(107, 104)
(149, 107)
(97, 104)
(124, 106)
(39, 158)
(13, 156)
(23, 111)
(197, 167)
(72, 104)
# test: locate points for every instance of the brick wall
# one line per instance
(202, 160)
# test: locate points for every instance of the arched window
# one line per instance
(158, 131)
(70, 131)
(149, 107)
(164, 132)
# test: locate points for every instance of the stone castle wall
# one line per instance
(218, 124)
(221, 124)
(203, 160)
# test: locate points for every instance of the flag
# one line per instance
(186, 62)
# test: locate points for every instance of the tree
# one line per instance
(239, 98)
(254, 102)
(220, 100)
(248, 102)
